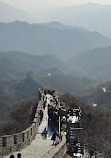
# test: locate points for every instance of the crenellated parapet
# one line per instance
(18, 141)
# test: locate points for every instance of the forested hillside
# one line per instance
(22, 74)
(96, 123)
(18, 90)
(17, 118)
(14, 65)
(100, 96)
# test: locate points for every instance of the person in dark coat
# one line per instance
(44, 105)
(41, 115)
(45, 133)
(19, 155)
(12, 156)
(54, 137)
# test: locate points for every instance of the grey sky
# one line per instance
(40, 5)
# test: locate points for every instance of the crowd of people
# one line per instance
(53, 117)
(55, 112)
(51, 102)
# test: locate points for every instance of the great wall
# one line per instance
(31, 144)
(18, 141)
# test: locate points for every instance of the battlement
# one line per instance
(18, 141)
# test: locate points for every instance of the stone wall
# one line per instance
(18, 141)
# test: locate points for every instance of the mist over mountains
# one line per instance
(38, 39)
(94, 63)
(9, 13)
(91, 16)
(62, 57)
(14, 65)
(21, 74)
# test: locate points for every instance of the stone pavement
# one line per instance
(40, 146)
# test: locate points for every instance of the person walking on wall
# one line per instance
(12, 156)
(19, 155)
(45, 133)
(57, 140)
(53, 137)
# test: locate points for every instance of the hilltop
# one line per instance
(15, 91)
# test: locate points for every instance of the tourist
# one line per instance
(19, 155)
(12, 156)
(60, 137)
(53, 137)
(45, 133)
(44, 105)
(41, 115)
(57, 140)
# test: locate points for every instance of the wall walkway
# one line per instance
(31, 143)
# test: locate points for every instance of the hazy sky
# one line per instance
(39, 5)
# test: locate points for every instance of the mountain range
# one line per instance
(21, 75)
(91, 16)
(15, 91)
(94, 63)
(14, 65)
(42, 39)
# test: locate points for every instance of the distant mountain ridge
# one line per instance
(94, 63)
(9, 13)
(40, 39)
(21, 74)
(67, 83)
(91, 16)
(58, 25)
(18, 90)
(14, 65)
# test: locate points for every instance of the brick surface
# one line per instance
(40, 146)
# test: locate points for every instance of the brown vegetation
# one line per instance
(17, 118)
(96, 123)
